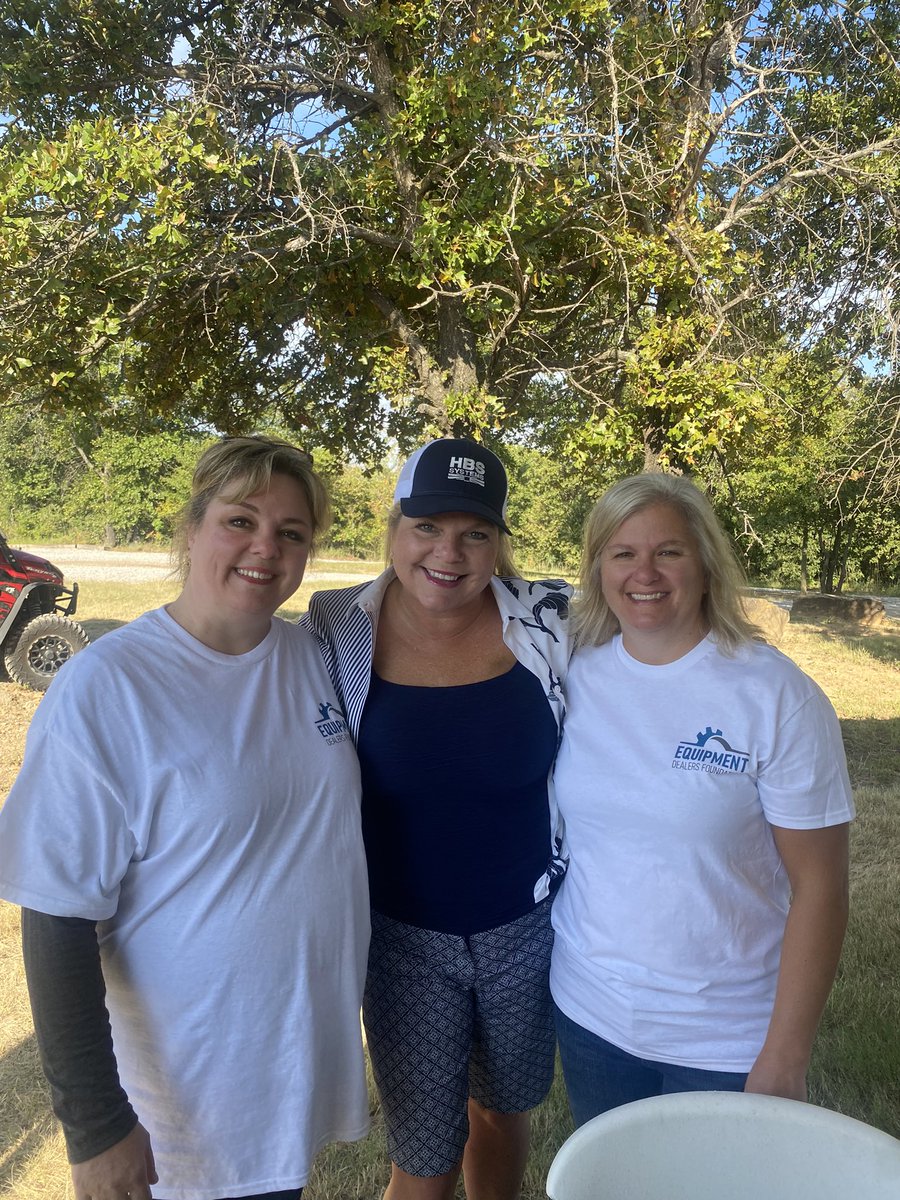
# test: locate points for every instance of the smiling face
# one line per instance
(444, 562)
(653, 580)
(247, 558)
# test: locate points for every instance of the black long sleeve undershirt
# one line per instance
(68, 1003)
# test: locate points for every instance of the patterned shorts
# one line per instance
(450, 1017)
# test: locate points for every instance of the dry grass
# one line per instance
(32, 1155)
(856, 1068)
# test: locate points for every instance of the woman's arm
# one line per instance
(817, 862)
(68, 1004)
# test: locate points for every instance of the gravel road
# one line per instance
(81, 563)
(91, 562)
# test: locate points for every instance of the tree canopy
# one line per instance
(588, 224)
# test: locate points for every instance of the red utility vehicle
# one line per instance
(37, 634)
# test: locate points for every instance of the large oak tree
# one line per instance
(583, 221)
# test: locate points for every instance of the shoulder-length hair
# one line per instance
(237, 467)
(594, 621)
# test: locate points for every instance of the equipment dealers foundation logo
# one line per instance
(331, 724)
(710, 752)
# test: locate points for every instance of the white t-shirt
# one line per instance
(670, 919)
(204, 808)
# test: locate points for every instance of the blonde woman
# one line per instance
(705, 795)
(449, 668)
(184, 837)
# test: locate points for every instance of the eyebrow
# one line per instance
(253, 508)
(658, 545)
(474, 522)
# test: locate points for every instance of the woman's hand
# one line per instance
(773, 1078)
(123, 1172)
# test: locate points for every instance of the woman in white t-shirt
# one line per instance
(705, 794)
(185, 840)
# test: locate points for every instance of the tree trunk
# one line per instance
(831, 557)
(457, 353)
(842, 577)
(804, 559)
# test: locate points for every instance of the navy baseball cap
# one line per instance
(453, 475)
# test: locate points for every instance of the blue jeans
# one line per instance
(600, 1076)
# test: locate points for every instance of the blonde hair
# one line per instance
(237, 467)
(594, 621)
(505, 567)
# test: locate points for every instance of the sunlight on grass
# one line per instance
(856, 1065)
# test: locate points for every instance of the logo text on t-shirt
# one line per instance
(710, 752)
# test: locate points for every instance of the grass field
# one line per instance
(856, 1067)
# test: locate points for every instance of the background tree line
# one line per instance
(798, 515)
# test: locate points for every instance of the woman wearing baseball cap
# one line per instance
(448, 667)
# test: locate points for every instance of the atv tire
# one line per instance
(33, 656)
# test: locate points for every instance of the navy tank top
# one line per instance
(456, 819)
